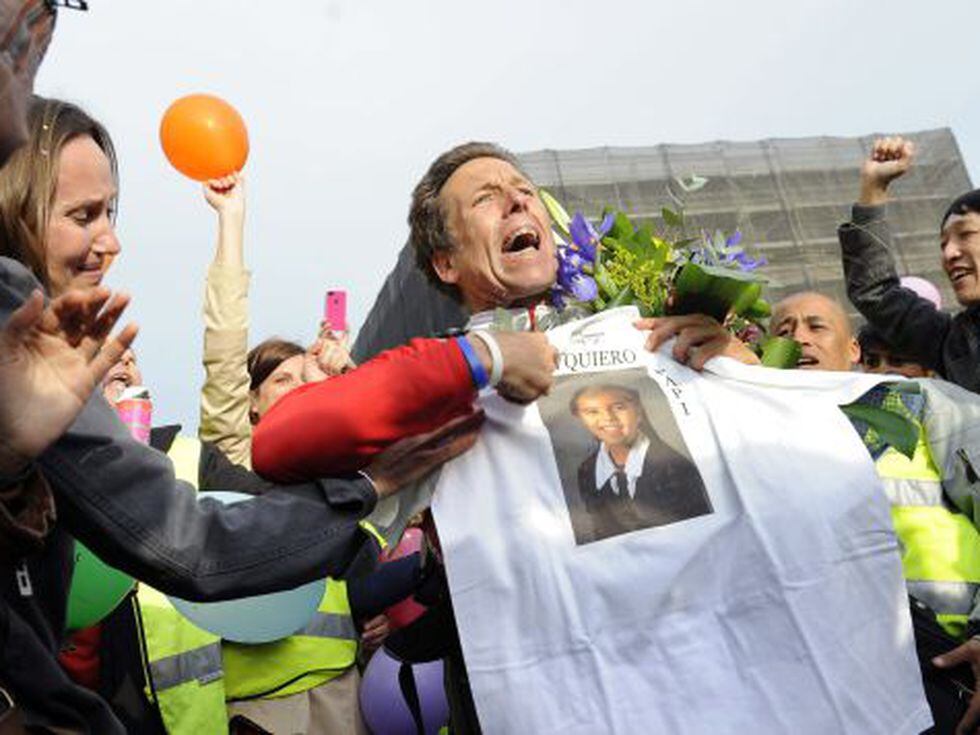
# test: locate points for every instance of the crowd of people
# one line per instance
(319, 440)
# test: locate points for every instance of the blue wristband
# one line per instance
(477, 372)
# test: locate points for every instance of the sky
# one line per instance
(348, 101)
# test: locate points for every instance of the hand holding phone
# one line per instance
(331, 350)
(335, 310)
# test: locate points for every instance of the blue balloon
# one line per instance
(257, 619)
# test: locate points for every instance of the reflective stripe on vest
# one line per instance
(913, 493)
(330, 625)
(374, 533)
(321, 651)
(202, 665)
(952, 598)
(184, 665)
(940, 546)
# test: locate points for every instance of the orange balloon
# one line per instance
(204, 137)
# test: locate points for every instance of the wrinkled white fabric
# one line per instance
(783, 611)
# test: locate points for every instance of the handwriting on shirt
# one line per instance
(673, 386)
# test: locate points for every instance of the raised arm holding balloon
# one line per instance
(224, 394)
(324, 677)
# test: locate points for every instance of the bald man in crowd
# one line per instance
(821, 326)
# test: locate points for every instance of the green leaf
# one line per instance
(559, 217)
(691, 184)
(894, 429)
(643, 239)
(660, 253)
(672, 218)
(607, 287)
(629, 245)
(643, 235)
(759, 310)
(781, 352)
(623, 298)
(622, 228)
(717, 292)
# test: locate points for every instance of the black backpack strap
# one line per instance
(406, 680)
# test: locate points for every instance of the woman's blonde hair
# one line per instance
(30, 177)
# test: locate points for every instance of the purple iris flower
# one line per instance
(573, 281)
(586, 237)
(583, 287)
(743, 260)
(746, 263)
(576, 259)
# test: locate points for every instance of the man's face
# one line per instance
(820, 326)
(124, 374)
(961, 256)
(25, 32)
(611, 416)
(504, 250)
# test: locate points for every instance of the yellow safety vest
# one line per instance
(183, 666)
(324, 649)
(940, 547)
(321, 651)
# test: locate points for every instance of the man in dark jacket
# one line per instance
(910, 324)
(122, 500)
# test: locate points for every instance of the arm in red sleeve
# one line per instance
(338, 425)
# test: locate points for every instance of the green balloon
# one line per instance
(96, 589)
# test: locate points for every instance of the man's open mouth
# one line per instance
(807, 361)
(522, 239)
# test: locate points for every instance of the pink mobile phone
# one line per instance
(335, 310)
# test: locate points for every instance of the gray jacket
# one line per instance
(952, 422)
(950, 345)
(121, 499)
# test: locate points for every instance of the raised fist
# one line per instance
(889, 159)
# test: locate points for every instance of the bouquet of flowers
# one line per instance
(617, 263)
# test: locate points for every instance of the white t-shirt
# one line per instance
(756, 589)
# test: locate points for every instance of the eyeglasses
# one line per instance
(53, 5)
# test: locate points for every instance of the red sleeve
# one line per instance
(338, 425)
